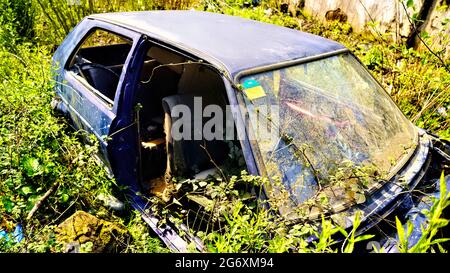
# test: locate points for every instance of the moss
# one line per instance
(84, 228)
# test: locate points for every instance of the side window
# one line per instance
(99, 61)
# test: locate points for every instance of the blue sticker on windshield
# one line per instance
(250, 83)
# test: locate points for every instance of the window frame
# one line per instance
(104, 100)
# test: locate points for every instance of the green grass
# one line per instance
(39, 151)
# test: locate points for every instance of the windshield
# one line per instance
(323, 123)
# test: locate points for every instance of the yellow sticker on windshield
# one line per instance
(253, 90)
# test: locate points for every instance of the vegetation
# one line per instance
(427, 241)
(41, 153)
(47, 172)
(17, 19)
(57, 17)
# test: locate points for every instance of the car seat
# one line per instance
(187, 157)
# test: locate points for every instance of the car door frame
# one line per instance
(72, 87)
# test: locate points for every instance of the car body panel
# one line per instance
(88, 111)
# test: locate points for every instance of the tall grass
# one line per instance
(429, 240)
(40, 154)
(17, 22)
(58, 17)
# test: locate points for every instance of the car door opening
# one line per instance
(167, 81)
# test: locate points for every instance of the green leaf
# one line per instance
(440, 223)
(64, 197)
(364, 237)
(7, 204)
(26, 190)
(32, 199)
(442, 186)
(32, 167)
(440, 240)
(410, 3)
(360, 198)
(424, 35)
(403, 241)
(201, 200)
(357, 220)
(400, 229)
(343, 231)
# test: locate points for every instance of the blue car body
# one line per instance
(234, 47)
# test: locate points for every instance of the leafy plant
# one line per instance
(427, 241)
(350, 238)
(58, 17)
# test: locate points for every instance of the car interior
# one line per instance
(167, 80)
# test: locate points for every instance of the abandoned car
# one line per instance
(300, 108)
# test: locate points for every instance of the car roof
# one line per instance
(235, 43)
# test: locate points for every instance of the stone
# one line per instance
(83, 228)
(438, 27)
(336, 15)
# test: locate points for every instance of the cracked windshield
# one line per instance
(330, 129)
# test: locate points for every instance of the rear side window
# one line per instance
(99, 62)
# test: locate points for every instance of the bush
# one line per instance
(17, 22)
